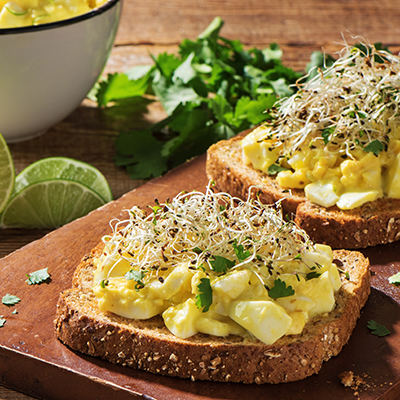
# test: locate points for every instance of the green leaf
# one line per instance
(326, 133)
(312, 275)
(376, 146)
(137, 276)
(119, 86)
(140, 152)
(221, 264)
(212, 31)
(2, 321)
(275, 169)
(205, 297)
(241, 254)
(10, 300)
(318, 60)
(171, 96)
(280, 290)
(377, 329)
(395, 279)
(38, 277)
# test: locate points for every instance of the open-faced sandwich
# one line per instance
(211, 287)
(332, 150)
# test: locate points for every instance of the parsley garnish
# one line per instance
(205, 297)
(10, 300)
(376, 146)
(211, 90)
(395, 279)
(241, 254)
(280, 290)
(377, 329)
(2, 321)
(38, 277)
(221, 264)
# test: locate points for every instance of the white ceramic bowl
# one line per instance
(47, 70)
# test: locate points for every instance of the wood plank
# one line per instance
(261, 21)
(33, 361)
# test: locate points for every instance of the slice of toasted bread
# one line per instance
(149, 346)
(373, 223)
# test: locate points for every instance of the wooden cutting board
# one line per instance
(33, 361)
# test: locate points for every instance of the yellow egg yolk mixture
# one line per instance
(18, 13)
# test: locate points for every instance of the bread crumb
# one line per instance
(354, 382)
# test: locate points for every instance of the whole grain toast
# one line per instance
(373, 223)
(149, 346)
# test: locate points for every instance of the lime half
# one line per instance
(64, 168)
(7, 174)
(50, 204)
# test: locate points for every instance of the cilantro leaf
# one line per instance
(119, 86)
(376, 146)
(38, 277)
(205, 297)
(377, 329)
(2, 321)
(139, 151)
(280, 290)
(239, 251)
(10, 300)
(137, 276)
(275, 169)
(221, 264)
(395, 279)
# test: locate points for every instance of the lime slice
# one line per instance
(50, 204)
(7, 173)
(64, 168)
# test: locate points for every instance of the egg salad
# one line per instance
(338, 137)
(215, 264)
(18, 13)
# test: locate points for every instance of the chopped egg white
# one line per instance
(218, 265)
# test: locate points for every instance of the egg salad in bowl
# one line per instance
(215, 264)
(18, 13)
(338, 137)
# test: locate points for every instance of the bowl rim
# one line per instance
(51, 25)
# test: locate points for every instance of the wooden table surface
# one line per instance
(154, 26)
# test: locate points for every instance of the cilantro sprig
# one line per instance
(211, 90)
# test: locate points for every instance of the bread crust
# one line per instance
(374, 223)
(149, 346)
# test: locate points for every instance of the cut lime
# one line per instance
(64, 168)
(7, 174)
(50, 204)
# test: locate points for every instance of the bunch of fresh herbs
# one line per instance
(212, 89)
